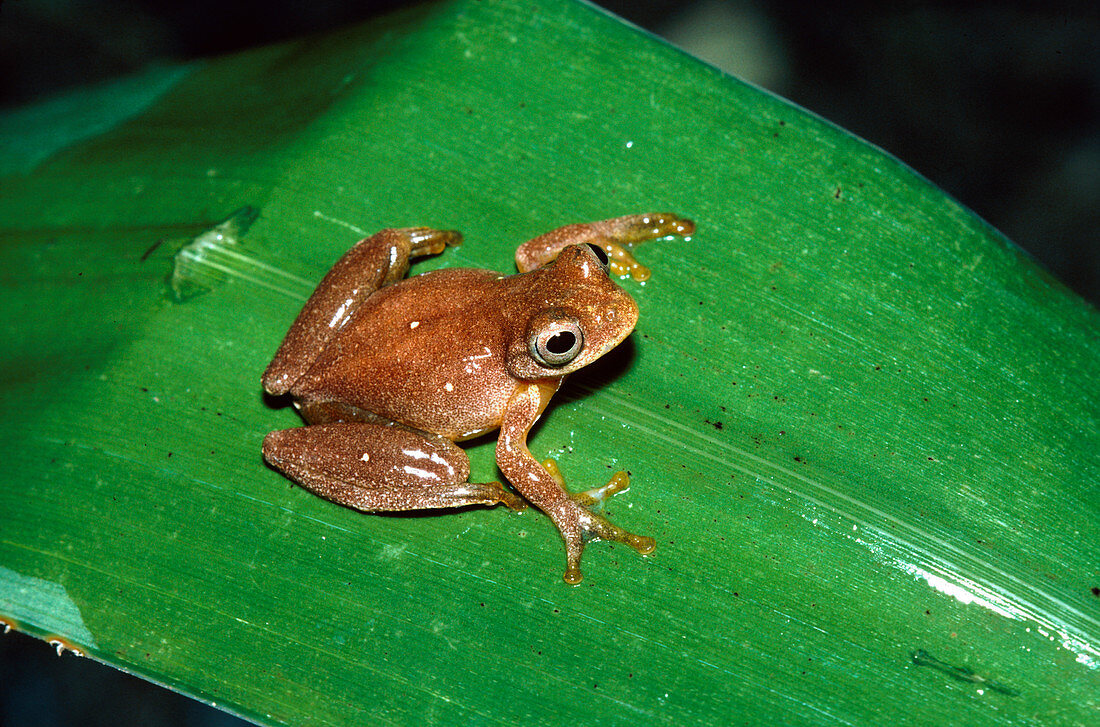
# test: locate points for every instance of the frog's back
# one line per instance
(427, 352)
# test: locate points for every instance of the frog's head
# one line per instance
(570, 314)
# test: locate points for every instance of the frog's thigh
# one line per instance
(374, 467)
(380, 260)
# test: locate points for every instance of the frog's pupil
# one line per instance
(561, 342)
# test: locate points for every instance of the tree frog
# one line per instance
(389, 372)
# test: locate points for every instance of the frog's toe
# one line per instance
(619, 482)
(572, 574)
(641, 543)
(597, 527)
(652, 225)
(429, 241)
(511, 499)
(670, 224)
(624, 263)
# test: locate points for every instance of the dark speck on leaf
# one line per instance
(145, 255)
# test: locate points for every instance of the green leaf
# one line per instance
(862, 426)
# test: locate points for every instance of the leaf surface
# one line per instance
(862, 426)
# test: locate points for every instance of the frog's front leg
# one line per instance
(614, 237)
(544, 488)
(379, 260)
(378, 467)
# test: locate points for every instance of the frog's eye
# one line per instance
(601, 256)
(556, 342)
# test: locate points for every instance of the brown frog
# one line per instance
(390, 372)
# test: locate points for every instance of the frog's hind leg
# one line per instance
(380, 260)
(378, 468)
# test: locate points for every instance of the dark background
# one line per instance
(997, 103)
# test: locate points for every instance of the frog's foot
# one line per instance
(637, 229)
(426, 241)
(616, 236)
(579, 525)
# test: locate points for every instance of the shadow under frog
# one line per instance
(389, 372)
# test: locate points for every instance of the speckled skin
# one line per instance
(389, 373)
